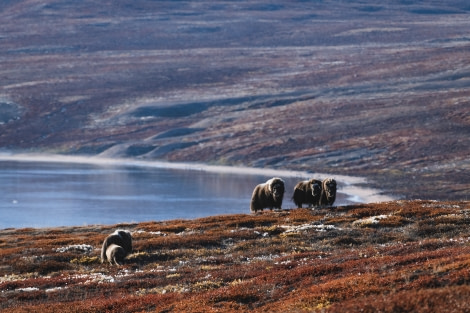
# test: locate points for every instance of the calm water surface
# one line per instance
(38, 194)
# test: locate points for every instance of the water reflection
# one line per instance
(38, 194)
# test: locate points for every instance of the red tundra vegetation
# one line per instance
(399, 256)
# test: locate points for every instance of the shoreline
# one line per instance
(354, 193)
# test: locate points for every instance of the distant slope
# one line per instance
(375, 90)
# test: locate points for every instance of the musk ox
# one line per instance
(308, 192)
(121, 238)
(328, 194)
(115, 254)
(268, 195)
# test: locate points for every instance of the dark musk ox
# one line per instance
(268, 195)
(120, 238)
(115, 254)
(328, 194)
(308, 192)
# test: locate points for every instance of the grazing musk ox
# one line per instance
(328, 194)
(121, 238)
(307, 191)
(267, 195)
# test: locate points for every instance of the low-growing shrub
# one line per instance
(246, 263)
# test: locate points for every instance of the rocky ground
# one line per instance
(400, 256)
(364, 89)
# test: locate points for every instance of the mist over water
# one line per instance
(42, 194)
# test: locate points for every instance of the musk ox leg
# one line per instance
(104, 247)
(253, 207)
(296, 198)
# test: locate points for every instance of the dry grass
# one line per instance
(399, 256)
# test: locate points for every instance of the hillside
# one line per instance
(400, 256)
(363, 89)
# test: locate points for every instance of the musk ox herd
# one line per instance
(313, 192)
(269, 195)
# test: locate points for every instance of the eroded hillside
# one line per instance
(375, 90)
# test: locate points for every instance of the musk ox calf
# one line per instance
(268, 195)
(308, 192)
(115, 254)
(120, 238)
(328, 194)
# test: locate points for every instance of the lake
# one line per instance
(49, 194)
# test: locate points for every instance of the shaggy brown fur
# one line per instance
(120, 238)
(328, 195)
(115, 254)
(308, 192)
(268, 195)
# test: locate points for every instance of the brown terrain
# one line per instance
(400, 256)
(363, 89)
(348, 88)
